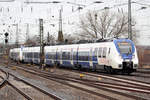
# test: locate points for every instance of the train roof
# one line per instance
(100, 41)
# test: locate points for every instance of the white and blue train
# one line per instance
(118, 55)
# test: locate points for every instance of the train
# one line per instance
(113, 56)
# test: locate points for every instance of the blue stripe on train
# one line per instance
(95, 62)
(67, 63)
(29, 60)
(49, 62)
(35, 61)
(84, 64)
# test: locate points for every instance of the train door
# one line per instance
(71, 56)
(75, 56)
(60, 57)
(99, 56)
(108, 56)
(102, 56)
(90, 59)
(56, 56)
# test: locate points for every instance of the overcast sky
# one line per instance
(20, 13)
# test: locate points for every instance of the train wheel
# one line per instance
(128, 73)
(94, 69)
(109, 69)
(79, 67)
(58, 65)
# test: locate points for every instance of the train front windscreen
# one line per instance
(125, 47)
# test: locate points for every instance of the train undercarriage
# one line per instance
(125, 68)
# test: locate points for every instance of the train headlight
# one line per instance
(133, 56)
(120, 57)
(120, 65)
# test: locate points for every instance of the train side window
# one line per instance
(27, 55)
(99, 52)
(104, 52)
(35, 54)
(71, 54)
(90, 55)
(66, 55)
(95, 52)
(74, 55)
(109, 51)
(86, 57)
(54, 55)
(31, 54)
(61, 54)
(69, 57)
(48, 55)
(83, 56)
(58, 55)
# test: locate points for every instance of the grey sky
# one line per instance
(18, 12)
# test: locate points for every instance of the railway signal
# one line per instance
(6, 37)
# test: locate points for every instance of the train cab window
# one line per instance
(125, 47)
(99, 52)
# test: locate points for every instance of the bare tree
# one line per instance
(33, 41)
(50, 40)
(105, 25)
(69, 38)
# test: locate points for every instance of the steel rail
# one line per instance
(3, 83)
(55, 77)
(19, 91)
(143, 72)
(6, 81)
(38, 88)
(124, 80)
(96, 86)
(106, 83)
(120, 79)
(66, 83)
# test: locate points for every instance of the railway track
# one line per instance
(143, 71)
(121, 79)
(134, 85)
(24, 94)
(65, 82)
(137, 86)
(4, 79)
(117, 78)
(96, 84)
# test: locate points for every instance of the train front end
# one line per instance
(127, 60)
